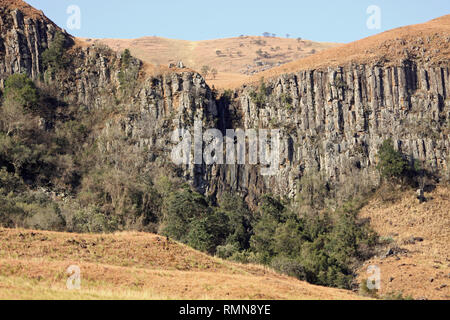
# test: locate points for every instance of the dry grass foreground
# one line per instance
(128, 265)
(234, 58)
(419, 264)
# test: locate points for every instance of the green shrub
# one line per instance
(10, 182)
(208, 232)
(240, 220)
(245, 256)
(261, 242)
(180, 209)
(20, 88)
(11, 215)
(286, 100)
(324, 248)
(291, 267)
(126, 59)
(226, 251)
(45, 217)
(260, 96)
(53, 57)
(128, 72)
(396, 296)
(392, 164)
(288, 237)
(92, 220)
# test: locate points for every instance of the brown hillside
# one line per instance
(235, 59)
(24, 7)
(420, 237)
(428, 41)
(135, 266)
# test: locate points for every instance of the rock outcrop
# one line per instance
(332, 120)
(23, 39)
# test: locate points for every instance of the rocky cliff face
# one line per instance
(23, 39)
(332, 121)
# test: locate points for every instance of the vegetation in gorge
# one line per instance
(53, 177)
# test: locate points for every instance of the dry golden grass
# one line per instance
(237, 53)
(429, 40)
(423, 271)
(128, 265)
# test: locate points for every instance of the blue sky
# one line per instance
(320, 20)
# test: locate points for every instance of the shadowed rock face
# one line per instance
(332, 121)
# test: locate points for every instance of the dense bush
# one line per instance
(321, 249)
(259, 96)
(208, 232)
(316, 247)
(392, 164)
(289, 266)
(22, 90)
(128, 72)
(54, 57)
(181, 208)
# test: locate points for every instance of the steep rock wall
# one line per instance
(332, 121)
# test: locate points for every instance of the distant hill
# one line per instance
(427, 42)
(235, 59)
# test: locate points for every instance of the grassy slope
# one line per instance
(134, 266)
(237, 53)
(424, 270)
(427, 41)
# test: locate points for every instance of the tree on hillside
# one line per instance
(205, 71)
(391, 163)
(125, 58)
(20, 100)
(54, 57)
(214, 73)
(20, 88)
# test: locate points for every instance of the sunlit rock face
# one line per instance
(331, 121)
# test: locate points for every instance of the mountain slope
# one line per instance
(135, 266)
(24, 7)
(427, 42)
(332, 121)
